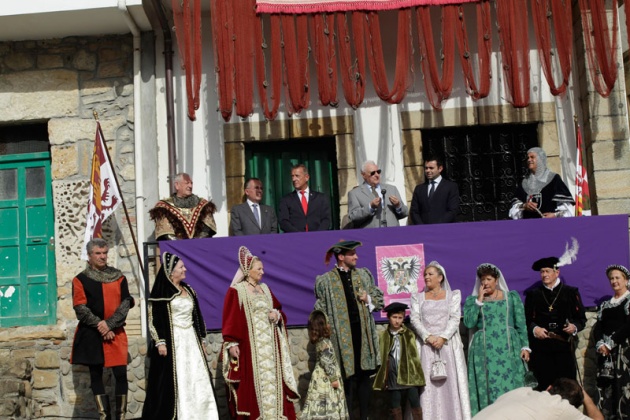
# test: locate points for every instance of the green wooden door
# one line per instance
(27, 258)
(272, 162)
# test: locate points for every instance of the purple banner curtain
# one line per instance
(293, 261)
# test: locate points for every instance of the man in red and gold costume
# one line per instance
(183, 215)
(101, 301)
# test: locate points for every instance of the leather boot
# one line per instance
(102, 404)
(416, 413)
(396, 413)
(121, 407)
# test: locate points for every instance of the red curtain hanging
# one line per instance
(352, 71)
(514, 47)
(244, 55)
(296, 53)
(322, 27)
(560, 12)
(261, 47)
(188, 30)
(438, 88)
(376, 62)
(222, 31)
(601, 51)
(484, 46)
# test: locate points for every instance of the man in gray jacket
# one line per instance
(373, 204)
(251, 217)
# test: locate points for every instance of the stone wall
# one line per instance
(61, 82)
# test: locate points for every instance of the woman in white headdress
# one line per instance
(542, 192)
(256, 357)
(179, 385)
(496, 317)
(435, 316)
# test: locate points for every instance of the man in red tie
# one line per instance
(303, 210)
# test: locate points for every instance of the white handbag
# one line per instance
(438, 368)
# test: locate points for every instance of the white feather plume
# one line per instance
(570, 253)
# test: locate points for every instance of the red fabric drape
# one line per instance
(241, 47)
(352, 71)
(276, 67)
(323, 35)
(296, 53)
(222, 30)
(560, 12)
(601, 51)
(244, 56)
(376, 62)
(514, 50)
(438, 88)
(188, 30)
(484, 46)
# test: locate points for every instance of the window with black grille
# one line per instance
(487, 162)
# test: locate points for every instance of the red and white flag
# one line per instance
(104, 194)
(581, 181)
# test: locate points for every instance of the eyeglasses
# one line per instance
(378, 171)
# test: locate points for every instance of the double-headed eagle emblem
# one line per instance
(401, 273)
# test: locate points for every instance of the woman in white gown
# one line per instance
(435, 315)
(179, 384)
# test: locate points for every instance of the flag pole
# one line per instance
(122, 198)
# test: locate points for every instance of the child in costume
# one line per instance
(400, 373)
(325, 399)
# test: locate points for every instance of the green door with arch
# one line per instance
(27, 257)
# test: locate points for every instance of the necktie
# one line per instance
(256, 215)
(304, 205)
(304, 202)
(374, 193)
(432, 189)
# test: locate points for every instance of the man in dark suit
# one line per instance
(303, 210)
(251, 217)
(435, 201)
(373, 204)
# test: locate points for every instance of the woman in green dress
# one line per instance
(496, 318)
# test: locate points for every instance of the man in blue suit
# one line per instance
(303, 210)
(435, 201)
(251, 217)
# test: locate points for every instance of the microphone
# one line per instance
(383, 218)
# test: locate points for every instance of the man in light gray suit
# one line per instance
(251, 217)
(373, 204)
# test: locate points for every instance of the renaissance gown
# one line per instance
(494, 356)
(195, 399)
(260, 382)
(613, 329)
(323, 402)
(446, 399)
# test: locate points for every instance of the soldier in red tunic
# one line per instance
(101, 300)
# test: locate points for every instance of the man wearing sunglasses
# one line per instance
(373, 204)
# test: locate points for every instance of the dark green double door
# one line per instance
(27, 258)
(272, 162)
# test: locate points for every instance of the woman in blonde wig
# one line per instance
(256, 356)
(435, 314)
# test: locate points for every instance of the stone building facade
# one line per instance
(61, 83)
